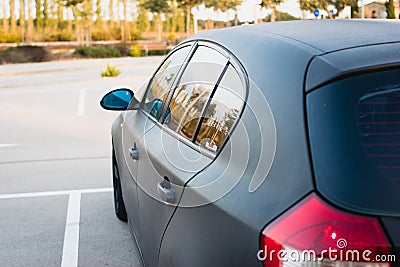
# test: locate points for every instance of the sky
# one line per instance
(248, 10)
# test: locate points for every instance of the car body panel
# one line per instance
(162, 156)
(134, 127)
(247, 212)
(282, 62)
(328, 67)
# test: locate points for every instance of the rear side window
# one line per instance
(194, 89)
(207, 99)
(222, 112)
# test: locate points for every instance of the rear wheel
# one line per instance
(118, 199)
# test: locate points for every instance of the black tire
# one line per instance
(119, 205)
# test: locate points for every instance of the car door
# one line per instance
(168, 154)
(138, 122)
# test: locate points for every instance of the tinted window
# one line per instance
(162, 82)
(354, 129)
(222, 112)
(379, 121)
(193, 91)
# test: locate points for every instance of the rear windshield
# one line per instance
(354, 129)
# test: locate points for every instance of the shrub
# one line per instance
(111, 71)
(158, 52)
(23, 54)
(136, 35)
(135, 51)
(171, 37)
(96, 52)
(9, 37)
(123, 48)
(63, 35)
(101, 35)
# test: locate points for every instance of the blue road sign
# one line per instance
(316, 12)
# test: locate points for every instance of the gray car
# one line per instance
(274, 144)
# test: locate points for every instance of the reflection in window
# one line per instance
(194, 89)
(222, 112)
(220, 117)
(187, 106)
(162, 82)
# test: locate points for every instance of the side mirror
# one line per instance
(119, 99)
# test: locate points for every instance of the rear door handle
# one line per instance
(133, 152)
(165, 191)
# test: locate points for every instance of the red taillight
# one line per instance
(313, 232)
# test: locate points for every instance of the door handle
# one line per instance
(133, 152)
(165, 191)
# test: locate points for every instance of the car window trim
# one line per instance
(181, 69)
(232, 60)
(176, 82)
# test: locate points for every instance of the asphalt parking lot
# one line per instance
(55, 195)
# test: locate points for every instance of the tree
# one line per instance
(310, 5)
(22, 19)
(272, 4)
(39, 16)
(60, 15)
(390, 9)
(13, 22)
(81, 13)
(99, 20)
(45, 13)
(111, 9)
(5, 21)
(142, 20)
(30, 22)
(223, 5)
(125, 29)
(187, 5)
(157, 7)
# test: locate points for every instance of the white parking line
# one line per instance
(8, 145)
(71, 236)
(55, 193)
(81, 103)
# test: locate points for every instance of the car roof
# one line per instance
(323, 35)
(331, 48)
(333, 35)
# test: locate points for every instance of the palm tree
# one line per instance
(5, 20)
(157, 7)
(22, 19)
(13, 22)
(30, 22)
(188, 4)
(272, 4)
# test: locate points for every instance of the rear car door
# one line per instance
(168, 154)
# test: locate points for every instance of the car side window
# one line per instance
(162, 81)
(222, 112)
(193, 91)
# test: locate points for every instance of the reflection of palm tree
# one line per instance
(161, 80)
(215, 130)
(194, 105)
(229, 118)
